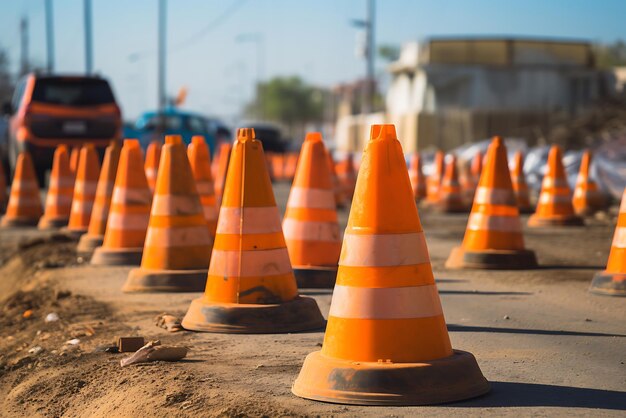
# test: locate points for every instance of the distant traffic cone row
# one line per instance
(291, 161)
(250, 286)
(178, 244)
(416, 176)
(24, 207)
(347, 175)
(612, 281)
(151, 165)
(554, 207)
(587, 196)
(310, 224)
(493, 238)
(434, 179)
(221, 168)
(74, 157)
(60, 191)
(102, 202)
(386, 341)
(520, 187)
(129, 212)
(340, 196)
(84, 190)
(199, 158)
(451, 198)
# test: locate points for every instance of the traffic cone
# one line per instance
(278, 166)
(250, 286)
(493, 238)
(199, 158)
(291, 162)
(520, 187)
(386, 341)
(102, 202)
(347, 175)
(451, 198)
(84, 190)
(434, 179)
(129, 212)
(74, 157)
(3, 190)
(24, 207)
(587, 197)
(223, 157)
(416, 175)
(340, 197)
(310, 224)
(60, 191)
(178, 245)
(554, 207)
(153, 156)
(612, 281)
(477, 166)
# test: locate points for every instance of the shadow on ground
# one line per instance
(469, 328)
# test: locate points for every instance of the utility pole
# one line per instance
(24, 65)
(49, 36)
(162, 58)
(88, 38)
(368, 102)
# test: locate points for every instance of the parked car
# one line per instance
(173, 121)
(49, 110)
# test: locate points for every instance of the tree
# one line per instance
(611, 55)
(389, 52)
(289, 101)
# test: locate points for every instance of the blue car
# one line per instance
(177, 122)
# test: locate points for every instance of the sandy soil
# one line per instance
(548, 347)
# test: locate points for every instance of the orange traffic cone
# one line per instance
(520, 187)
(612, 281)
(434, 179)
(291, 161)
(3, 190)
(199, 158)
(102, 202)
(554, 207)
(178, 245)
(386, 341)
(347, 175)
(74, 157)
(129, 212)
(587, 197)
(416, 175)
(250, 287)
(24, 207)
(223, 157)
(450, 194)
(60, 191)
(340, 197)
(153, 156)
(493, 238)
(278, 166)
(310, 223)
(84, 190)
(477, 166)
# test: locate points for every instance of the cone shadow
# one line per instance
(482, 293)
(469, 328)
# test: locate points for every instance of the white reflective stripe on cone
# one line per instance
(82, 206)
(187, 236)
(24, 186)
(300, 197)
(622, 206)
(133, 196)
(550, 182)
(619, 239)
(547, 198)
(128, 221)
(58, 199)
(205, 187)
(210, 212)
(105, 188)
(151, 173)
(294, 229)
(385, 303)
(171, 205)
(85, 187)
(384, 250)
(262, 220)
(25, 202)
(489, 196)
(61, 183)
(483, 222)
(256, 263)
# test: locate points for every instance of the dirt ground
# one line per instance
(548, 347)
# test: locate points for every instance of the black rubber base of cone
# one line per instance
(606, 284)
(300, 314)
(315, 277)
(536, 222)
(143, 280)
(119, 257)
(450, 379)
(17, 222)
(75, 233)
(46, 224)
(497, 260)
(88, 243)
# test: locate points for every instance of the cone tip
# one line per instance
(173, 139)
(197, 139)
(313, 137)
(245, 134)
(497, 141)
(131, 143)
(383, 132)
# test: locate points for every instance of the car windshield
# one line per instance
(73, 91)
(172, 122)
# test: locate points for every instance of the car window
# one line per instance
(196, 124)
(172, 122)
(73, 91)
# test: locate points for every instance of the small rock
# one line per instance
(52, 317)
(35, 350)
(62, 294)
(73, 341)
(506, 317)
(80, 260)
(588, 320)
(258, 366)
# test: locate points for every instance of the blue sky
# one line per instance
(312, 39)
